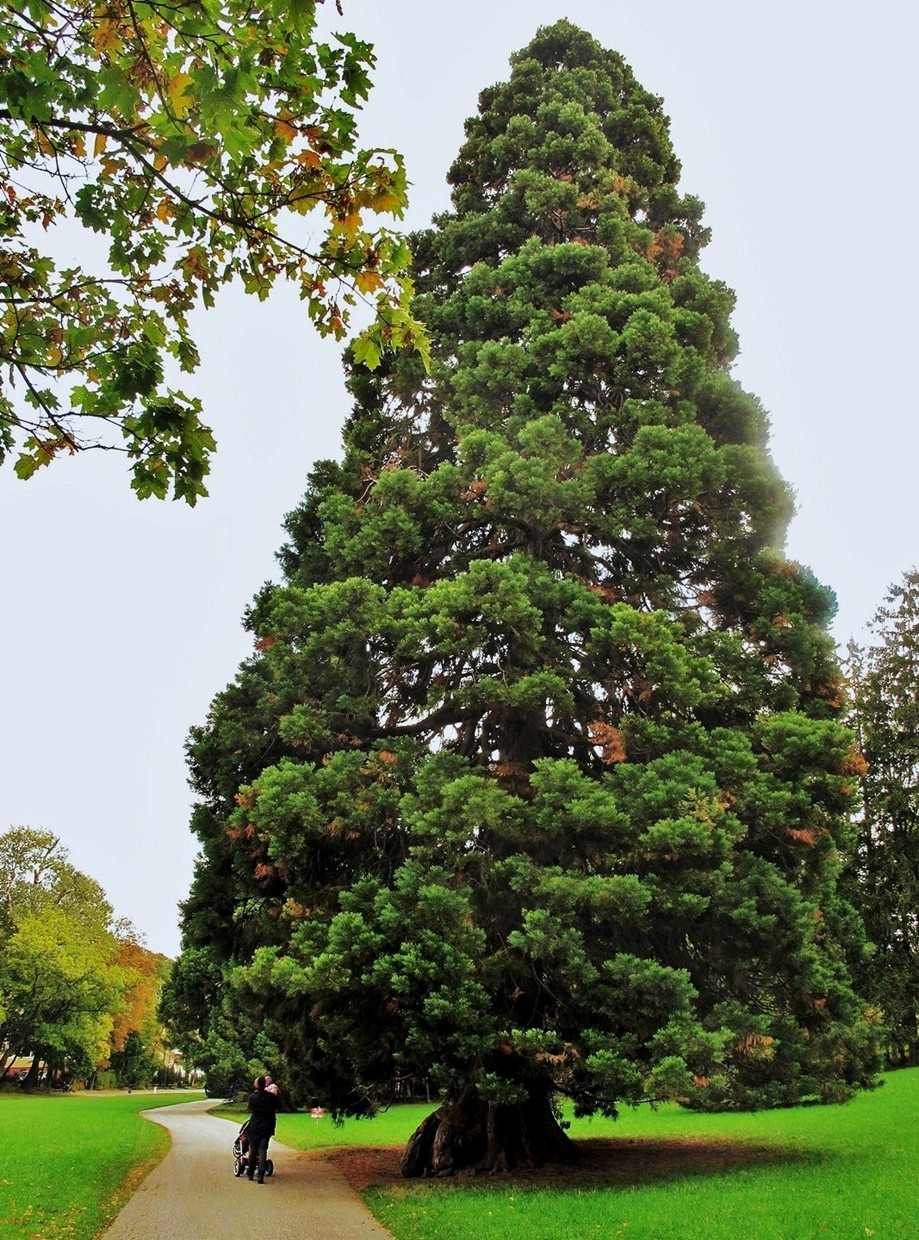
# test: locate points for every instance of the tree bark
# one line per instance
(474, 1136)
(31, 1079)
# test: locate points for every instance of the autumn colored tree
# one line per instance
(60, 979)
(136, 1042)
(146, 972)
(535, 783)
(198, 142)
(884, 870)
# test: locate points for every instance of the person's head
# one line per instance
(260, 1083)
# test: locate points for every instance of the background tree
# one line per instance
(535, 782)
(134, 1065)
(195, 140)
(35, 873)
(60, 979)
(230, 1047)
(136, 1043)
(884, 873)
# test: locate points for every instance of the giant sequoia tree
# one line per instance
(534, 783)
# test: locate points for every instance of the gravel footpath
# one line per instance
(193, 1195)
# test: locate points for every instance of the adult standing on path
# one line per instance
(193, 1195)
(263, 1110)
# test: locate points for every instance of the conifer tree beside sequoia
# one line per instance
(535, 783)
(882, 876)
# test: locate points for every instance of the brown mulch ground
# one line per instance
(602, 1161)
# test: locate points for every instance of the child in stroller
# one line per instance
(241, 1153)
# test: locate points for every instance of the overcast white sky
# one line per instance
(794, 122)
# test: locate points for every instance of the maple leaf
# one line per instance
(368, 281)
(178, 94)
(367, 352)
(284, 129)
(174, 91)
(350, 224)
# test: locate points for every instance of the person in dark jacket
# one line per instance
(263, 1107)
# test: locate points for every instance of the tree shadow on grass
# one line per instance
(604, 1162)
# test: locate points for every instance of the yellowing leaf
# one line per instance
(302, 201)
(179, 98)
(105, 35)
(100, 144)
(284, 129)
(386, 200)
(350, 224)
(367, 281)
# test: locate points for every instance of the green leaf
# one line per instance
(366, 351)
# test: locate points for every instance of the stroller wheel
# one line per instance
(269, 1167)
(238, 1166)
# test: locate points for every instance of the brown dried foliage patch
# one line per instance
(609, 741)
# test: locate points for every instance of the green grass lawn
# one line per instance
(836, 1172)
(840, 1173)
(81, 1157)
(302, 1132)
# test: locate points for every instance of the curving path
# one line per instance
(193, 1195)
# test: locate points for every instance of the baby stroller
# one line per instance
(241, 1153)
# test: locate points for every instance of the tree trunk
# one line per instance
(31, 1079)
(471, 1135)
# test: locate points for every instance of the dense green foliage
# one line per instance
(536, 781)
(82, 1156)
(134, 1065)
(195, 140)
(884, 875)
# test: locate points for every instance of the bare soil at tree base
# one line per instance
(602, 1162)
